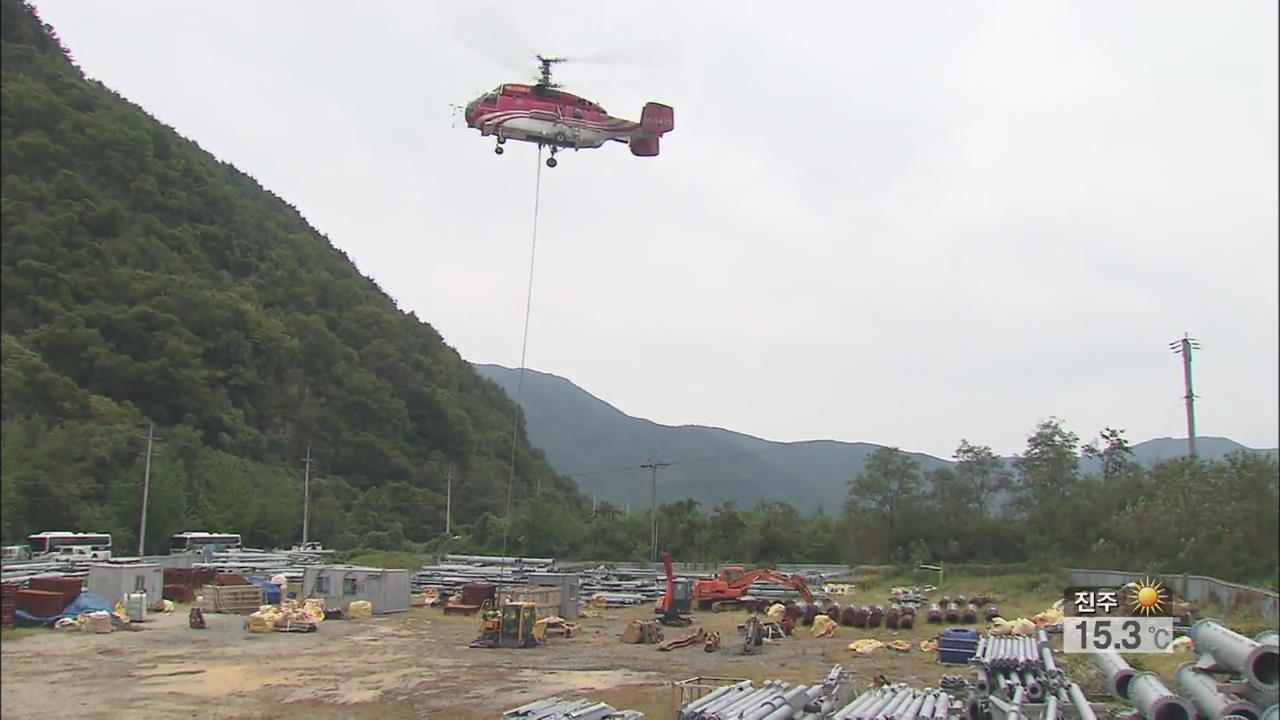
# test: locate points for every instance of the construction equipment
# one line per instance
(515, 625)
(674, 604)
(725, 591)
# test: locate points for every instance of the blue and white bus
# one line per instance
(61, 543)
(194, 542)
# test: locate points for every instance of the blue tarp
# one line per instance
(270, 590)
(87, 602)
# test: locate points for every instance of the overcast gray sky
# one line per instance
(901, 223)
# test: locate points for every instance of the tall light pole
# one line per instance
(653, 507)
(1184, 347)
(146, 487)
(306, 495)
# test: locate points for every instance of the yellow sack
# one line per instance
(359, 609)
(900, 646)
(1023, 626)
(865, 645)
(777, 611)
(1000, 626)
(823, 626)
(928, 646)
(259, 622)
(315, 608)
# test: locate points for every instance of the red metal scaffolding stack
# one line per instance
(8, 604)
(68, 588)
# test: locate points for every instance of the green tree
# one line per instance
(889, 482)
(982, 473)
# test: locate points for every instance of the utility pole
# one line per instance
(306, 494)
(146, 487)
(1184, 347)
(653, 507)
(448, 501)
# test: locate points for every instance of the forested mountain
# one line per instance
(146, 282)
(601, 447)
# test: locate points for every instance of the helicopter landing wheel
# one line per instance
(560, 137)
(551, 162)
(501, 140)
(498, 150)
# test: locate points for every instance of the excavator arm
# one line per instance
(795, 582)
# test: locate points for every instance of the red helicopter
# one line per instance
(542, 114)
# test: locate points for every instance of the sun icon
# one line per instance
(1147, 597)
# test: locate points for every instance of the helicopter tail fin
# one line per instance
(657, 119)
(644, 145)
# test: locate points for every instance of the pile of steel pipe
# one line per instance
(1072, 694)
(774, 700)
(1046, 653)
(1009, 652)
(1201, 689)
(557, 708)
(1149, 695)
(1117, 673)
(897, 702)
(1257, 662)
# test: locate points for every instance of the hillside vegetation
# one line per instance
(145, 281)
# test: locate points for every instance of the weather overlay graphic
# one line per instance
(1136, 617)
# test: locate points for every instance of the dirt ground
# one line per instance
(417, 664)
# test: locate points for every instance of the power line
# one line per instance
(1184, 347)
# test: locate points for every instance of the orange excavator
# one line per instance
(726, 590)
(673, 606)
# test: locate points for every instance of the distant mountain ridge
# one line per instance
(602, 448)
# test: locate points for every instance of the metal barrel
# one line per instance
(1271, 713)
(1150, 696)
(1117, 672)
(1202, 689)
(1259, 663)
(1267, 637)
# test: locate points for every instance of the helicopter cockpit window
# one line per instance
(577, 112)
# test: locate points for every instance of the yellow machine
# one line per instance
(515, 625)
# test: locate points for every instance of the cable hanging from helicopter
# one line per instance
(545, 115)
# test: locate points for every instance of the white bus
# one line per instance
(54, 543)
(194, 542)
